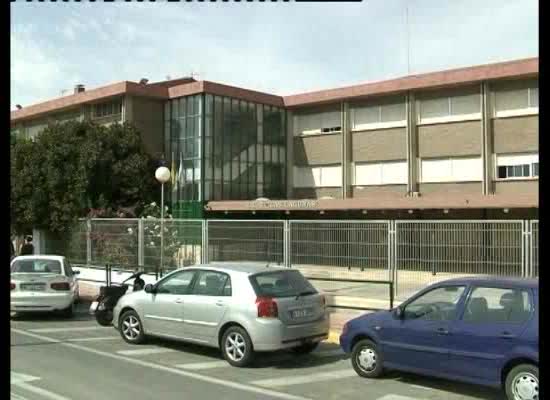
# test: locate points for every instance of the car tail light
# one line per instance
(60, 286)
(267, 308)
(12, 286)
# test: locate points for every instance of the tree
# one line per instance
(75, 167)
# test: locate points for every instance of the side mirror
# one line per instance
(76, 272)
(149, 288)
(399, 313)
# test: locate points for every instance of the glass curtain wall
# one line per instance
(244, 150)
(220, 148)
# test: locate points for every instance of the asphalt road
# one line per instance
(60, 359)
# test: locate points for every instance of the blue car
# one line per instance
(482, 330)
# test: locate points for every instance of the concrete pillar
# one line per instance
(487, 140)
(412, 144)
(289, 154)
(346, 151)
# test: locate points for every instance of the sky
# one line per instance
(279, 48)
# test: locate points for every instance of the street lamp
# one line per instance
(162, 174)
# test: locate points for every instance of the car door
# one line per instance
(489, 328)
(206, 305)
(163, 310)
(418, 340)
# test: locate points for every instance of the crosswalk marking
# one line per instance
(142, 352)
(67, 329)
(298, 380)
(204, 365)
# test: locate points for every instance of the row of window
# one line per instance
(456, 169)
(515, 98)
(107, 109)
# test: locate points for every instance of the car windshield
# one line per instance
(281, 284)
(36, 267)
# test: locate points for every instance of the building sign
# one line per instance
(282, 204)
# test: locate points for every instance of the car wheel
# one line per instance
(131, 328)
(305, 348)
(522, 383)
(367, 359)
(237, 347)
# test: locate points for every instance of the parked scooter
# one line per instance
(108, 297)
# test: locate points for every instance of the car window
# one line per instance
(488, 304)
(436, 305)
(178, 283)
(281, 284)
(36, 267)
(212, 283)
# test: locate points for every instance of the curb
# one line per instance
(333, 337)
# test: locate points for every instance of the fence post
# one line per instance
(392, 237)
(88, 242)
(286, 244)
(525, 247)
(141, 242)
(204, 240)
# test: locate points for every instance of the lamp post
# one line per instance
(162, 174)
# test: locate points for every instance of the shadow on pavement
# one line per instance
(464, 389)
(280, 359)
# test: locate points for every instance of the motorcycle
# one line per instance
(108, 297)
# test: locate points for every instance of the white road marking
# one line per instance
(94, 339)
(175, 371)
(21, 381)
(298, 380)
(397, 397)
(203, 365)
(67, 329)
(144, 352)
(15, 396)
(42, 392)
(16, 378)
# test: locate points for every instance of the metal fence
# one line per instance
(534, 248)
(408, 254)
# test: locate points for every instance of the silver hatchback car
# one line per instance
(239, 308)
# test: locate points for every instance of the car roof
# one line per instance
(39, 257)
(494, 280)
(244, 267)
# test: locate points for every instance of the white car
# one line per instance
(43, 283)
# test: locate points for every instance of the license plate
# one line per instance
(93, 307)
(306, 312)
(37, 287)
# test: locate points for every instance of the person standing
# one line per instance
(27, 249)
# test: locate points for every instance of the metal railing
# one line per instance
(409, 254)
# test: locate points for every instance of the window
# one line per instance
(107, 109)
(212, 283)
(436, 305)
(467, 169)
(325, 176)
(378, 116)
(456, 107)
(517, 166)
(384, 173)
(516, 98)
(317, 123)
(497, 305)
(281, 284)
(177, 283)
(36, 267)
